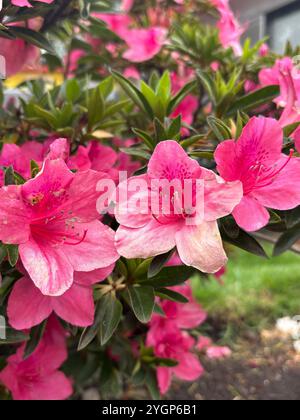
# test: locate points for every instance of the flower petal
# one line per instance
(14, 225)
(250, 215)
(201, 247)
(76, 306)
(27, 306)
(96, 251)
(151, 240)
(47, 266)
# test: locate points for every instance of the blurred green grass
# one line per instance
(256, 291)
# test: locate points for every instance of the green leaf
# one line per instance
(136, 151)
(12, 254)
(34, 168)
(107, 317)
(286, 241)
(220, 129)
(179, 97)
(152, 385)
(110, 317)
(292, 217)
(255, 99)
(132, 91)
(159, 262)
(36, 334)
(142, 299)
(9, 176)
(245, 241)
(72, 90)
(13, 336)
(147, 139)
(171, 295)
(170, 276)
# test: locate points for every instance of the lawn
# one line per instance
(256, 291)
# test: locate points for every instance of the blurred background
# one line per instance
(278, 19)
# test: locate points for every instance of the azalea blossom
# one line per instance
(38, 377)
(196, 235)
(180, 315)
(53, 219)
(144, 44)
(176, 345)
(230, 30)
(28, 307)
(268, 176)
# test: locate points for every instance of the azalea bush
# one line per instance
(139, 140)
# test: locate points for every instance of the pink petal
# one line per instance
(225, 157)
(14, 224)
(83, 195)
(170, 161)
(55, 386)
(48, 267)
(261, 140)
(164, 378)
(96, 251)
(76, 306)
(93, 277)
(189, 368)
(129, 212)
(27, 306)
(283, 193)
(250, 215)
(220, 197)
(201, 247)
(148, 241)
(47, 190)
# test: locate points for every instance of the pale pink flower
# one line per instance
(268, 176)
(38, 377)
(54, 220)
(197, 238)
(28, 307)
(216, 352)
(177, 345)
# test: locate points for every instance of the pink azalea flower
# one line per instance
(95, 156)
(268, 176)
(18, 55)
(230, 30)
(216, 352)
(198, 243)
(284, 74)
(177, 345)
(144, 44)
(118, 24)
(38, 377)
(264, 50)
(181, 315)
(53, 219)
(28, 307)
